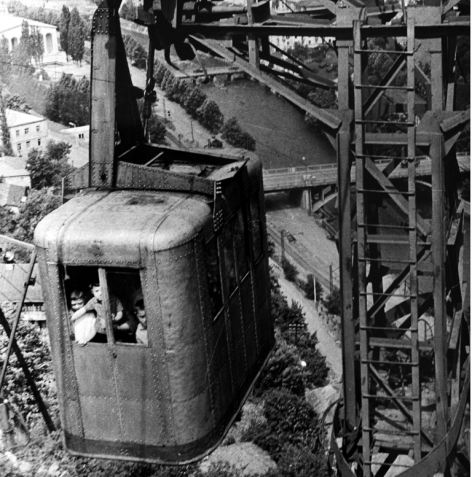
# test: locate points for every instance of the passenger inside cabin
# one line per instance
(84, 322)
(141, 330)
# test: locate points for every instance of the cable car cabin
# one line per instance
(157, 308)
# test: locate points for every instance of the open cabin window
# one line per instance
(105, 305)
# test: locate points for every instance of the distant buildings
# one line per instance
(26, 131)
(79, 135)
(12, 279)
(10, 28)
(12, 171)
(12, 196)
(291, 6)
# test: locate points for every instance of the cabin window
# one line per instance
(213, 276)
(240, 245)
(230, 268)
(256, 229)
(105, 305)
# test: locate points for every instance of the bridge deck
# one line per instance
(289, 178)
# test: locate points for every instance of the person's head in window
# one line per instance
(96, 291)
(77, 299)
(140, 312)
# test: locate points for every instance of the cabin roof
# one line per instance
(119, 228)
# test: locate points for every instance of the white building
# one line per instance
(10, 28)
(78, 135)
(26, 131)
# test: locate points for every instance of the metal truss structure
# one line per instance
(405, 313)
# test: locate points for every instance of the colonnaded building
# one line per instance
(10, 28)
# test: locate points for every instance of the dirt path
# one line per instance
(326, 343)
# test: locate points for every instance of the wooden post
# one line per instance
(253, 46)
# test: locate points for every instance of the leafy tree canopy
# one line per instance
(39, 204)
(47, 168)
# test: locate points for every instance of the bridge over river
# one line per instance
(289, 178)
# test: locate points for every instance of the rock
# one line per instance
(321, 398)
(252, 414)
(244, 457)
(25, 467)
(53, 470)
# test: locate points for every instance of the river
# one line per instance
(283, 138)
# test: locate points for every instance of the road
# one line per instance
(315, 253)
(326, 343)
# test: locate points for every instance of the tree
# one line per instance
(283, 370)
(36, 45)
(193, 99)
(333, 302)
(323, 98)
(210, 116)
(290, 271)
(47, 168)
(76, 36)
(39, 204)
(5, 132)
(157, 130)
(7, 221)
(234, 135)
(5, 57)
(127, 10)
(68, 101)
(64, 22)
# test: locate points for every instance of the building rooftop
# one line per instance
(9, 22)
(18, 118)
(11, 194)
(13, 167)
(12, 278)
(76, 130)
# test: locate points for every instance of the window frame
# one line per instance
(105, 290)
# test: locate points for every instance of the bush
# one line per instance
(333, 302)
(297, 461)
(290, 420)
(316, 371)
(234, 135)
(290, 272)
(282, 370)
(192, 101)
(157, 130)
(210, 116)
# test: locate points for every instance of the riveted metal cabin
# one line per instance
(202, 275)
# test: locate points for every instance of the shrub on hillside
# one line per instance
(192, 100)
(234, 135)
(290, 272)
(210, 116)
(316, 371)
(295, 461)
(333, 302)
(290, 421)
(282, 370)
(157, 130)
